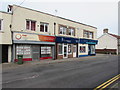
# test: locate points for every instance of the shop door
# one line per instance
(74, 51)
(35, 52)
(91, 49)
(65, 52)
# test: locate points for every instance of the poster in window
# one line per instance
(82, 49)
(69, 48)
(19, 50)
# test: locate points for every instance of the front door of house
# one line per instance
(74, 51)
(65, 51)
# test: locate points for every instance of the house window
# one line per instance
(88, 34)
(30, 25)
(1, 22)
(43, 27)
(82, 49)
(71, 31)
(33, 25)
(60, 48)
(69, 48)
(63, 30)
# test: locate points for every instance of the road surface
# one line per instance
(85, 72)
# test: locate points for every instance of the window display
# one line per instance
(82, 49)
(69, 48)
(46, 51)
(24, 50)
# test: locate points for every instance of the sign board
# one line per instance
(32, 37)
(88, 41)
(66, 40)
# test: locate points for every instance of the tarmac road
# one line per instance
(85, 72)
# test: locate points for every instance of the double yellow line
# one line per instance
(107, 83)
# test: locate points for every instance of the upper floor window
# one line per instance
(88, 34)
(30, 25)
(43, 27)
(1, 24)
(71, 31)
(63, 30)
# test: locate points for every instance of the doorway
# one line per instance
(91, 49)
(65, 55)
(74, 51)
(4, 53)
(35, 52)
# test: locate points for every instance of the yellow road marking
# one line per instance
(107, 82)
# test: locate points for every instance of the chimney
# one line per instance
(105, 31)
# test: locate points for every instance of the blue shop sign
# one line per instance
(66, 40)
(88, 41)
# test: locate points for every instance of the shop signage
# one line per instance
(46, 38)
(32, 37)
(66, 40)
(88, 41)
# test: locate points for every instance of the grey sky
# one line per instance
(99, 14)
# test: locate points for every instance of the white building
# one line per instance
(37, 35)
(108, 43)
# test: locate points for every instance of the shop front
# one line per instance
(87, 47)
(33, 46)
(66, 47)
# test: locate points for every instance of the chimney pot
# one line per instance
(105, 31)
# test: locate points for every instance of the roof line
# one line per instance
(55, 16)
(5, 12)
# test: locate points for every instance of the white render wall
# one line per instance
(20, 14)
(107, 41)
(5, 34)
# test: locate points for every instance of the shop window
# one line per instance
(69, 48)
(43, 27)
(82, 49)
(60, 48)
(92, 49)
(71, 31)
(24, 50)
(1, 23)
(30, 25)
(46, 51)
(63, 30)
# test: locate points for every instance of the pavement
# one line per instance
(83, 72)
(13, 65)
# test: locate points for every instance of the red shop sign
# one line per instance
(46, 38)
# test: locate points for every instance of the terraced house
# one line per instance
(37, 36)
